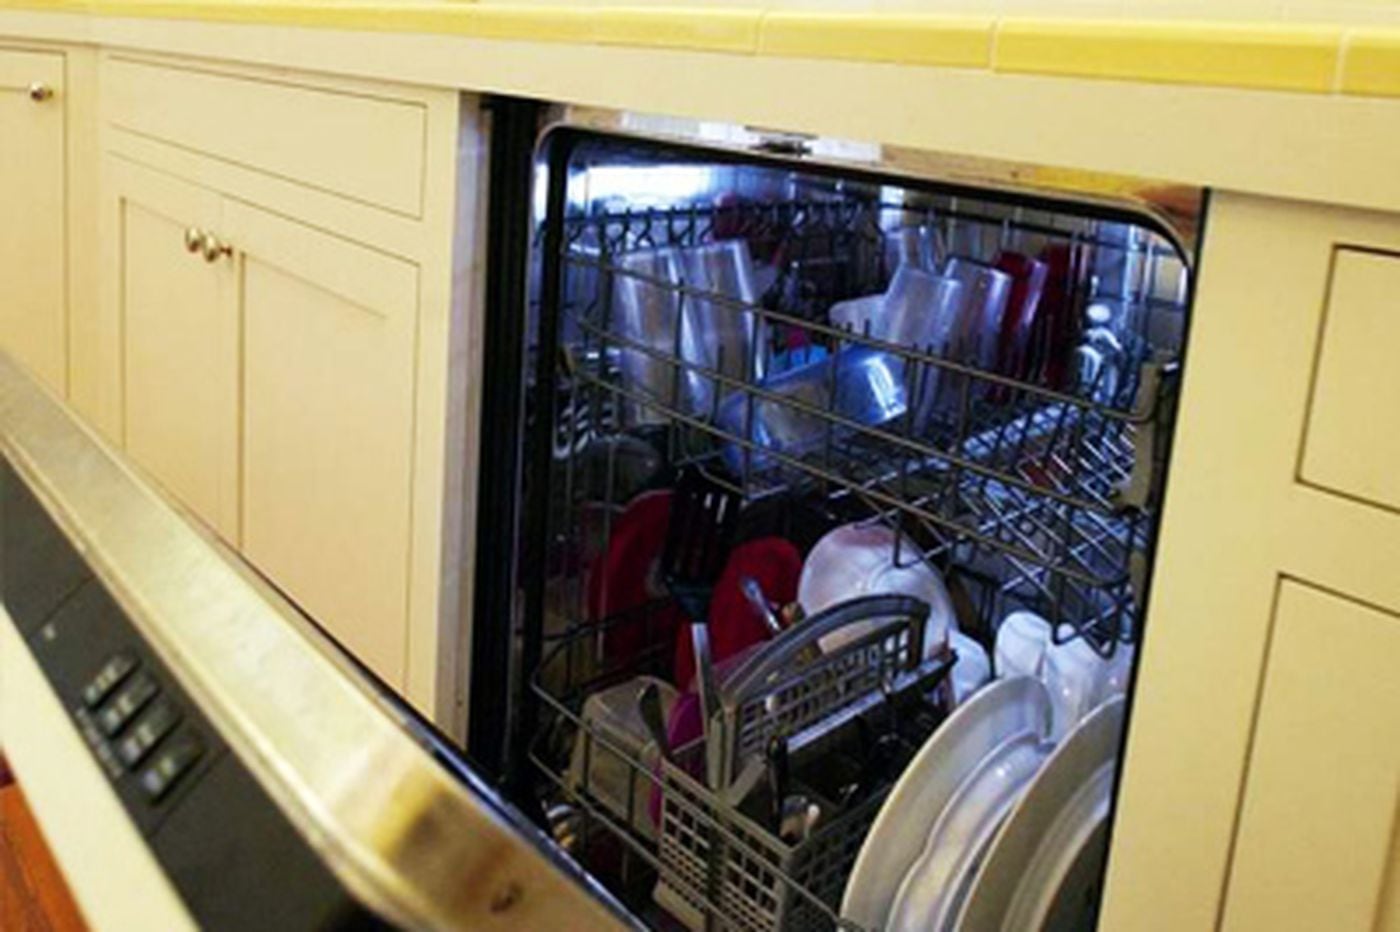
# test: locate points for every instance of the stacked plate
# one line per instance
(993, 826)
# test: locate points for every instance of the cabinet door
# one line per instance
(180, 343)
(328, 427)
(1318, 833)
(33, 319)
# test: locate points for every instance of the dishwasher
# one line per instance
(823, 498)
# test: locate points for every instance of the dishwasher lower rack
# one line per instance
(711, 859)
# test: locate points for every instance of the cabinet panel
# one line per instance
(33, 313)
(361, 145)
(180, 346)
(328, 426)
(1357, 389)
(1315, 848)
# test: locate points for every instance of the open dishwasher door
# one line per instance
(198, 754)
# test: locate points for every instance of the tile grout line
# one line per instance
(1339, 71)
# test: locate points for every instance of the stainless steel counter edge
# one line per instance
(405, 836)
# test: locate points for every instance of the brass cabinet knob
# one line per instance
(40, 92)
(214, 248)
(194, 239)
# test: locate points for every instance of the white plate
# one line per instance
(1000, 711)
(934, 888)
(1041, 868)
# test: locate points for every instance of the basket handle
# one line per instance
(793, 647)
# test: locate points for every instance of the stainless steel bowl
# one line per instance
(920, 311)
(858, 383)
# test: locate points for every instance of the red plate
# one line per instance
(629, 577)
(734, 623)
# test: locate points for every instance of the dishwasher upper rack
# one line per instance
(1050, 483)
(842, 240)
(846, 239)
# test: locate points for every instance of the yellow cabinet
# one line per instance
(328, 402)
(180, 341)
(268, 379)
(301, 381)
(1261, 773)
(1318, 832)
(33, 321)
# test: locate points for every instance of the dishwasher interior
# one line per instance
(841, 500)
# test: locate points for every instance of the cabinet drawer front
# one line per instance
(1352, 446)
(329, 335)
(1317, 832)
(365, 147)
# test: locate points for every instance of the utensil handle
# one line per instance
(753, 592)
(777, 779)
(708, 694)
(649, 705)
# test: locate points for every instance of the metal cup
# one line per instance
(719, 335)
(646, 311)
(921, 311)
(985, 295)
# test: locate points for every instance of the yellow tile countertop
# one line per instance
(1322, 59)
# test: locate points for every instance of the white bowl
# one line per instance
(973, 669)
(1021, 643)
(1080, 680)
(859, 559)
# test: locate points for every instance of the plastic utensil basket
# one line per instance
(720, 869)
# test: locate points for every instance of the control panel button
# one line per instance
(159, 719)
(116, 669)
(129, 700)
(105, 755)
(172, 763)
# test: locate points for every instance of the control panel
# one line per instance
(228, 850)
(146, 734)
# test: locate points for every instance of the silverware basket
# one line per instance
(712, 851)
(713, 854)
(716, 864)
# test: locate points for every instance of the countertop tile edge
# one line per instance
(1371, 63)
(1262, 57)
(908, 39)
(1319, 59)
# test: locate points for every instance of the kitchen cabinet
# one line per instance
(293, 300)
(180, 342)
(327, 423)
(1273, 479)
(1317, 839)
(33, 314)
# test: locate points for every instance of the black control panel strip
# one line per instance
(230, 853)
